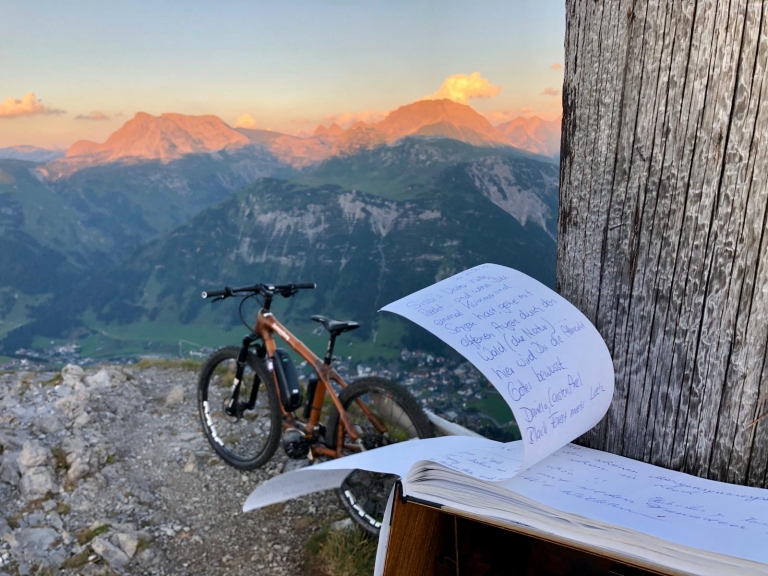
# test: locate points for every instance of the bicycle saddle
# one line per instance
(336, 327)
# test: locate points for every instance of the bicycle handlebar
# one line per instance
(285, 290)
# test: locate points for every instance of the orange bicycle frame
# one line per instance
(266, 326)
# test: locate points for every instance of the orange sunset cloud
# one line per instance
(247, 121)
(461, 87)
(29, 105)
(95, 115)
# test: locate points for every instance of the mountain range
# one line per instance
(110, 245)
(30, 153)
(169, 137)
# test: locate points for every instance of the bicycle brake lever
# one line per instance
(217, 299)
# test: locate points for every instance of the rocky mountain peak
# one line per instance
(166, 137)
(333, 131)
(449, 119)
(533, 134)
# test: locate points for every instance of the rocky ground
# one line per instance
(108, 472)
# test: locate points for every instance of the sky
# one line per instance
(79, 70)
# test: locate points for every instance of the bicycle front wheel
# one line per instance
(249, 434)
(364, 494)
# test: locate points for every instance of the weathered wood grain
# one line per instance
(663, 238)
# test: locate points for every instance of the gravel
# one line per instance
(107, 471)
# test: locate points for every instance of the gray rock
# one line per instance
(33, 455)
(111, 554)
(37, 477)
(146, 556)
(102, 379)
(9, 469)
(82, 457)
(48, 422)
(4, 528)
(191, 464)
(175, 396)
(33, 520)
(55, 521)
(82, 420)
(75, 403)
(12, 441)
(37, 483)
(129, 543)
(339, 525)
(32, 543)
(72, 375)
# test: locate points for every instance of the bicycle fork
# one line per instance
(232, 407)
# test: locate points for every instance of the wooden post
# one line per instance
(662, 229)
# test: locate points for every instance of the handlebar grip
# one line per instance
(310, 286)
(214, 293)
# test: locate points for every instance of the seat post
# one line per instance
(329, 353)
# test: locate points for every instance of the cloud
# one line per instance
(247, 121)
(551, 92)
(95, 115)
(557, 66)
(348, 118)
(29, 105)
(460, 88)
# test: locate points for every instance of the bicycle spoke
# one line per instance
(245, 433)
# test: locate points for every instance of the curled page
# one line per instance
(545, 358)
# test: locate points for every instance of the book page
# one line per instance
(548, 362)
(477, 457)
(672, 506)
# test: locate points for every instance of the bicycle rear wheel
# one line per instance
(364, 494)
(249, 438)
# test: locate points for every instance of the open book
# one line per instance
(552, 367)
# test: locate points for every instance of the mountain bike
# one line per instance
(249, 396)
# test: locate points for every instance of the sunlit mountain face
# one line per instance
(533, 134)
